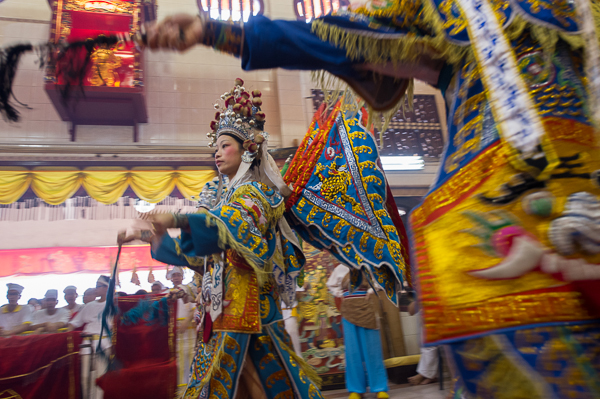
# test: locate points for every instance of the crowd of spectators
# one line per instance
(40, 316)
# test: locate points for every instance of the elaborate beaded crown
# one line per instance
(242, 117)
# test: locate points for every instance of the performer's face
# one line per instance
(228, 156)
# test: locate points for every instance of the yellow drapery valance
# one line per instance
(106, 186)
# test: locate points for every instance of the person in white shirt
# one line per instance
(158, 287)
(89, 295)
(14, 318)
(290, 321)
(427, 369)
(334, 282)
(49, 319)
(90, 317)
(71, 296)
(186, 331)
(34, 304)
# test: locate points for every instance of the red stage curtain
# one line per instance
(64, 260)
(146, 352)
(40, 366)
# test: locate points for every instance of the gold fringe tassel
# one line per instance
(375, 49)
(410, 47)
(333, 87)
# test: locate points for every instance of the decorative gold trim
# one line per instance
(503, 312)
(40, 368)
(59, 11)
(120, 7)
(17, 309)
(459, 185)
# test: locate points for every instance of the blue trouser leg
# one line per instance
(373, 355)
(355, 372)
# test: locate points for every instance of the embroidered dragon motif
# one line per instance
(334, 185)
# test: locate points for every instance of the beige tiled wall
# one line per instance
(181, 88)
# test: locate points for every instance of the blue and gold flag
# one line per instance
(340, 199)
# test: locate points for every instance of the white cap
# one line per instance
(70, 288)
(15, 287)
(176, 269)
(103, 280)
(51, 294)
(162, 287)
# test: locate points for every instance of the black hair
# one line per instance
(70, 60)
(239, 140)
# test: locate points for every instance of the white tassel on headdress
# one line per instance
(272, 173)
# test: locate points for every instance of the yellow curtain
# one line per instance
(106, 186)
(13, 185)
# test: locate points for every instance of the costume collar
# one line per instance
(5, 309)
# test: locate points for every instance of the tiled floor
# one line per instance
(431, 391)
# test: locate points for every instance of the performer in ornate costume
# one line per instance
(506, 244)
(257, 260)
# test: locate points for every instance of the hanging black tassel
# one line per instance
(72, 61)
(9, 60)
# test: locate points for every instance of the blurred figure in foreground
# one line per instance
(90, 317)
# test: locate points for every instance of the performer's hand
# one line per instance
(160, 222)
(123, 238)
(180, 32)
(176, 293)
(53, 327)
(412, 308)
